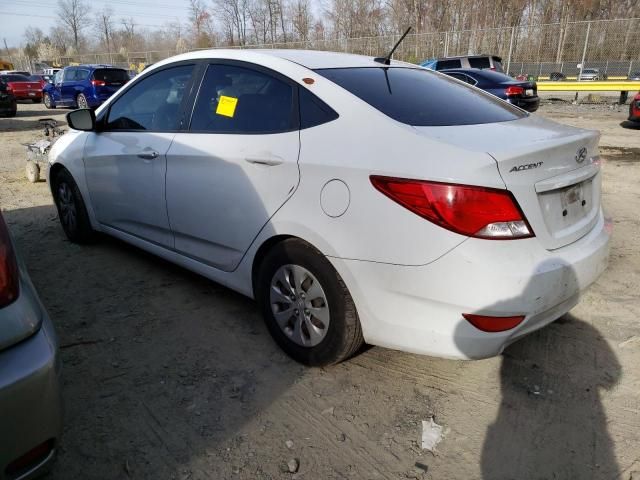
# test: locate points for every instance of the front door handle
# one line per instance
(269, 161)
(148, 155)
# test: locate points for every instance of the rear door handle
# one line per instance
(148, 155)
(269, 161)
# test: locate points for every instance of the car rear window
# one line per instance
(13, 78)
(479, 62)
(111, 76)
(421, 97)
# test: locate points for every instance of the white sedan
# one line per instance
(355, 201)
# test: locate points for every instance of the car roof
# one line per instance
(479, 55)
(312, 59)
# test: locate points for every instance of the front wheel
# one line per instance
(71, 209)
(306, 305)
(46, 98)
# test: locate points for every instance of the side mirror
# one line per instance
(83, 119)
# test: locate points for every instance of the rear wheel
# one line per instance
(71, 209)
(47, 101)
(306, 305)
(81, 101)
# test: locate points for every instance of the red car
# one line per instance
(22, 87)
(634, 109)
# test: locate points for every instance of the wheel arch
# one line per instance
(262, 251)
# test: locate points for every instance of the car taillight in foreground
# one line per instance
(513, 90)
(98, 83)
(469, 210)
(9, 285)
(493, 324)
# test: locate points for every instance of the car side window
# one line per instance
(81, 74)
(69, 75)
(57, 78)
(479, 62)
(313, 111)
(447, 64)
(239, 100)
(153, 103)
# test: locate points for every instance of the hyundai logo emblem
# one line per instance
(581, 156)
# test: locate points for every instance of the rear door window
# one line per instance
(421, 97)
(479, 62)
(111, 76)
(81, 74)
(240, 100)
(313, 111)
(447, 64)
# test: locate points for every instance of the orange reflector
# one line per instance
(493, 324)
(308, 81)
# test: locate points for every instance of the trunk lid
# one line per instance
(553, 171)
(25, 86)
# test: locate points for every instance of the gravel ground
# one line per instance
(170, 376)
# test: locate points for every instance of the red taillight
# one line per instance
(465, 209)
(98, 83)
(514, 90)
(9, 284)
(493, 324)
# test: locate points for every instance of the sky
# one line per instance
(17, 15)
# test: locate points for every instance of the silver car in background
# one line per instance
(30, 402)
(591, 75)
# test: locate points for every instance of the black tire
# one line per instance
(343, 337)
(81, 101)
(32, 171)
(47, 101)
(72, 211)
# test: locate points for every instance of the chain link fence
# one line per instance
(609, 45)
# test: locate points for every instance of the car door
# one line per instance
(56, 88)
(126, 162)
(236, 165)
(67, 88)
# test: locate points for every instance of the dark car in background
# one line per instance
(482, 62)
(8, 104)
(523, 94)
(84, 86)
(22, 87)
(30, 400)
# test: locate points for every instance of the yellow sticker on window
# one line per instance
(227, 106)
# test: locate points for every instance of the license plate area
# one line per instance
(567, 208)
(32, 94)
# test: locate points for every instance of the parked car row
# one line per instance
(82, 86)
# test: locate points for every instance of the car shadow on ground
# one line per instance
(551, 422)
(160, 366)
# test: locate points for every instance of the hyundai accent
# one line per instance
(356, 200)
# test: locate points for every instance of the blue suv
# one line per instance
(83, 86)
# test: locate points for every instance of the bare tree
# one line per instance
(201, 23)
(302, 19)
(74, 16)
(103, 25)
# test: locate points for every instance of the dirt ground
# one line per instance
(170, 376)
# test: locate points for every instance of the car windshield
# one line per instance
(111, 76)
(421, 97)
(589, 70)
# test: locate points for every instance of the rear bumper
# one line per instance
(530, 104)
(419, 308)
(28, 95)
(30, 402)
